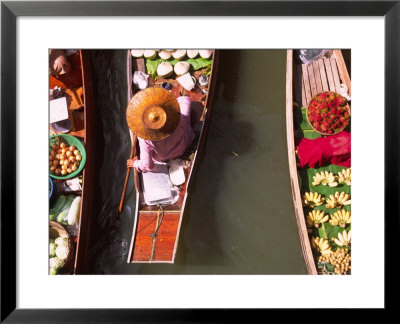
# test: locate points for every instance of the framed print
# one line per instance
(105, 32)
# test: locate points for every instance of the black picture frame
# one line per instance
(10, 10)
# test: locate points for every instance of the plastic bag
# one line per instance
(140, 79)
(309, 55)
(334, 149)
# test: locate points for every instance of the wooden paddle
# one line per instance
(128, 171)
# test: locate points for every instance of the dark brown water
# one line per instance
(239, 217)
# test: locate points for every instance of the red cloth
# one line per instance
(335, 149)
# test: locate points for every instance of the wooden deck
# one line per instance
(324, 74)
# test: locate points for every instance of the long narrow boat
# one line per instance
(77, 88)
(303, 82)
(166, 221)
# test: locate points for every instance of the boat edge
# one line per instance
(294, 182)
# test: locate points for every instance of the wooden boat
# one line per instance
(77, 88)
(303, 82)
(162, 248)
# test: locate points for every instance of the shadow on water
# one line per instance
(112, 146)
(226, 136)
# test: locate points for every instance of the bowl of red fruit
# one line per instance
(328, 113)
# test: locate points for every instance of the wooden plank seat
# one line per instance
(318, 76)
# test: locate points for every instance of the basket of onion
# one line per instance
(328, 113)
(67, 156)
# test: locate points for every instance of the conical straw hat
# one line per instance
(153, 114)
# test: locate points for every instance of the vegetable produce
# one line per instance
(181, 68)
(179, 54)
(62, 252)
(59, 162)
(58, 252)
(315, 218)
(341, 218)
(164, 69)
(205, 53)
(324, 178)
(56, 263)
(344, 238)
(61, 240)
(165, 54)
(321, 245)
(73, 212)
(137, 53)
(345, 176)
(61, 217)
(338, 200)
(312, 199)
(59, 203)
(52, 249)
(150, 54)
(192, 53)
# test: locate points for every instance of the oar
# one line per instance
(128, 171)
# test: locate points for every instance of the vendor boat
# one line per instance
(77, 88)
(303, 82)
(156, 227)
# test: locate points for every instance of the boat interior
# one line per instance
(143, 247)
(324, 74)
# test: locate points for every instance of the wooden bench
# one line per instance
(324, 74)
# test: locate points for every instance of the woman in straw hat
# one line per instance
(162, 125)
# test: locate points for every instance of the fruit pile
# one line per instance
(338, 200)
(328, 113)
(64, 159)
(328, 219)
(328, 178)
(340, 260)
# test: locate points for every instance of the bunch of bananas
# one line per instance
(321, 245)
(324, 178)
(341, 259)
(337, 200)
(312, 199)
(344, 238)
(315, 218)
(344, 176)
(341, 218)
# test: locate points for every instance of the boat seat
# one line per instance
(318, 76)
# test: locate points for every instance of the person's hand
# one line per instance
(129, 162)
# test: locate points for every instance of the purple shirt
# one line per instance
(170, 147)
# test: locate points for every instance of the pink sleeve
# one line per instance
(184, 105)
(145, 163)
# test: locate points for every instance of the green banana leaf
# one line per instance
(326, 230)
(195, 63)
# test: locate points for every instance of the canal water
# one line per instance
(239, 217)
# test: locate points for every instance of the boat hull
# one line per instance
(162, 249)
(303, 82)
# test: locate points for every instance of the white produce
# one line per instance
(164, 54)
(150, 54)
(164, 69)
(181, 67)
(137, 53)
(192, 53)
(205, 53)
(179, 54)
